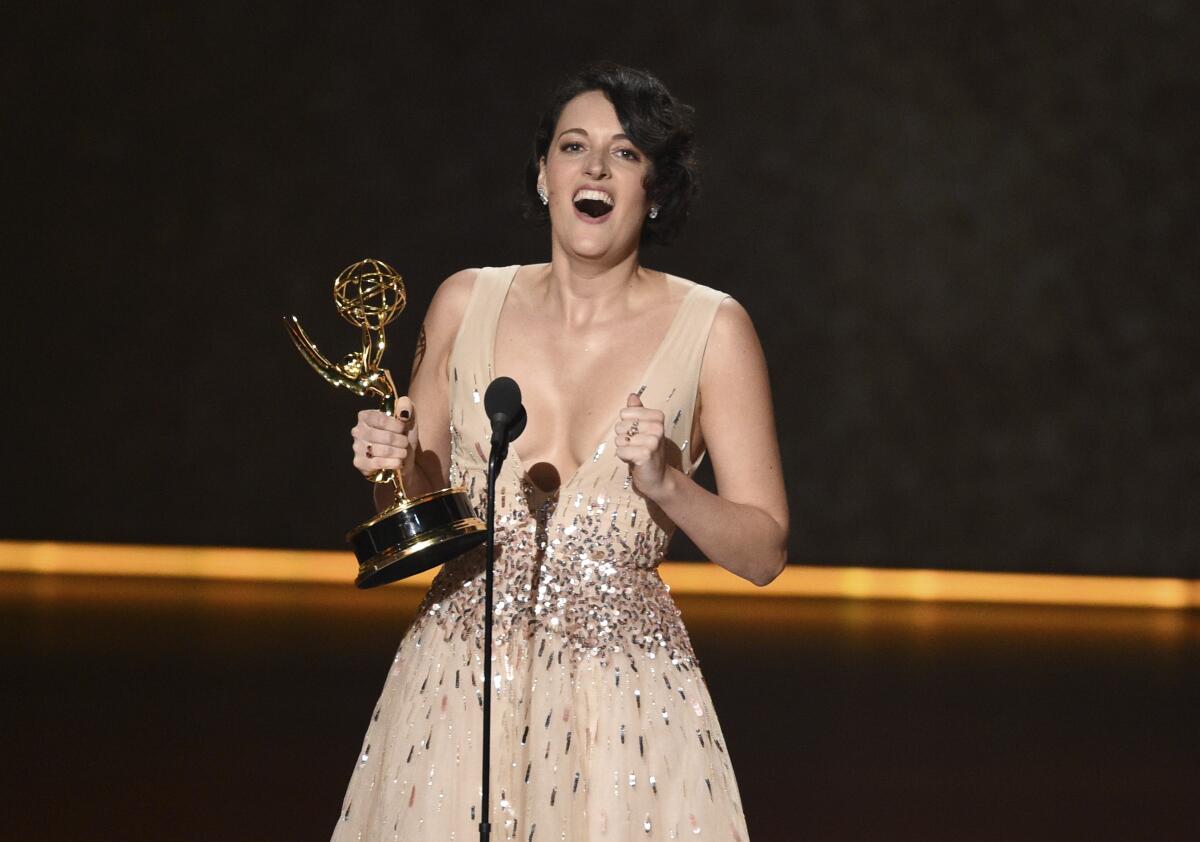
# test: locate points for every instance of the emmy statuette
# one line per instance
(413, 534)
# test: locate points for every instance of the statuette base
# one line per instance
(414, 536)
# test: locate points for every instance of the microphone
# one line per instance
(502, 403)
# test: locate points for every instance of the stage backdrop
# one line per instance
(965, 231)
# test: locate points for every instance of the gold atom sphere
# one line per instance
(369, 294)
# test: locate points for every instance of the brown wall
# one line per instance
(967, 234)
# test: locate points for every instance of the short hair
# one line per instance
(655, 121)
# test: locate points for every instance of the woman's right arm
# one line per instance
(416, 440)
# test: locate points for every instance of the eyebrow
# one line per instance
(583, 132)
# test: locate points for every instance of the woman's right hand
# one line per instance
(382, 441)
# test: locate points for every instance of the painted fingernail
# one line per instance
(404, 414)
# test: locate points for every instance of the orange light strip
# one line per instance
(318, 566)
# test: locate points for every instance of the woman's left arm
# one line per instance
(744, 527)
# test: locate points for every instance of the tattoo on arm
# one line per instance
(419, 355)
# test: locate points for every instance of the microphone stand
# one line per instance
(495, 461)
(502, 403)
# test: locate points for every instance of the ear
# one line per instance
(541, 178)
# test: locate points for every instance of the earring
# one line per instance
(541, 191)
(654, 211)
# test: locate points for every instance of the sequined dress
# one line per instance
(602, 725)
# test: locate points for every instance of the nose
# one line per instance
(597, 164)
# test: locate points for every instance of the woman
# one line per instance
(602, 723)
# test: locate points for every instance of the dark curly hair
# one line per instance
(655, 121)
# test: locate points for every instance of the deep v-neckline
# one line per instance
(637, 387)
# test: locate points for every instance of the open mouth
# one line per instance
(593, 203)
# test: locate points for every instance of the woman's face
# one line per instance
(593, 176)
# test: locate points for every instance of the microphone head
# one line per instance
(503, 395)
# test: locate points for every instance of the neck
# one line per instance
(586, 289)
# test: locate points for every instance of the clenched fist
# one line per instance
(639, 439)
(383, 442)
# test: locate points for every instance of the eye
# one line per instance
(628, 154)
(571, 146)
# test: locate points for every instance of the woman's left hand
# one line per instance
(639, 439)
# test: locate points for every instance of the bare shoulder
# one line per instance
(442, 321)
(732, 324)
(732, 341)
(450, 302)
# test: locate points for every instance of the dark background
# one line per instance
(846, 720)
(965, 231)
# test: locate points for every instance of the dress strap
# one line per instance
(471, 355)
(673, 383)
(477, 332)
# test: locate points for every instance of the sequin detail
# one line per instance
(590, 582)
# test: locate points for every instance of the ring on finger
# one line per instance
(633, 427)
(369, 454)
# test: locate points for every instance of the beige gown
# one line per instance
(602, 725)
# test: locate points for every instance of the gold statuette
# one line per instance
(413, 534)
